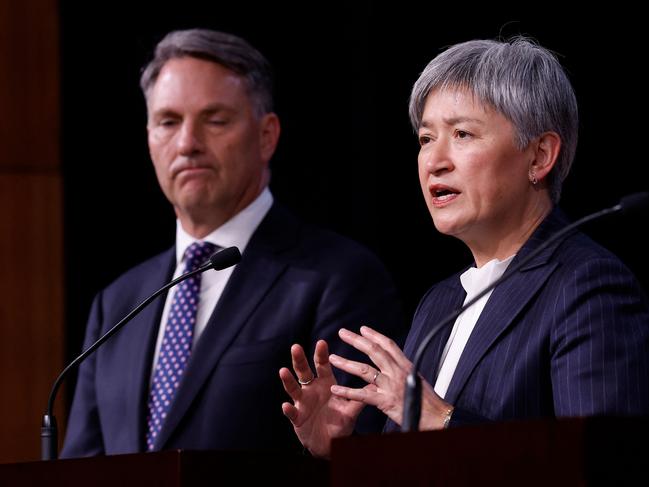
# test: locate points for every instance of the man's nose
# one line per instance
(190, 138)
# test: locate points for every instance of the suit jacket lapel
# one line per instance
(507, 301)
(446, 297)
(248, 284)
(143, 330)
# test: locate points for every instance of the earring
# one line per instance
(533, 179)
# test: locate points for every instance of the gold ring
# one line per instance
(306, 382)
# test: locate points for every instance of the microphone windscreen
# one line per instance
(225, 258)
(635, 201)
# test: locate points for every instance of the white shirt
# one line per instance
(474, 281)
(235, 232)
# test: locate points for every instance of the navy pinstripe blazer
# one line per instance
(568, 335)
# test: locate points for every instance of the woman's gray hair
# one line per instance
(518, 78)
(228, 50)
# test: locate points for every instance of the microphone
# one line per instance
(49, 435)
(413, 392)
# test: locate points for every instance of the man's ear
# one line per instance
(269, 135)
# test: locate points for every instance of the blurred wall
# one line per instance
(31, 227)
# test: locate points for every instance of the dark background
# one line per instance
(347, 158)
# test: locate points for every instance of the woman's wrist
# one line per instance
(436, 414)
(447, 417)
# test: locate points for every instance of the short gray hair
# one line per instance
(519, 79)
(228, 50)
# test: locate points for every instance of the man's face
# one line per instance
(209, 147)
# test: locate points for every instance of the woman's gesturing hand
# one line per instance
(317, 415)
(386, 379)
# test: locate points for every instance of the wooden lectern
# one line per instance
(170, 469)
(569, 452)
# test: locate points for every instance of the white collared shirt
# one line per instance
(474, 281)
(237, 231)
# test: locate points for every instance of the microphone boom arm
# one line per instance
(49, 436)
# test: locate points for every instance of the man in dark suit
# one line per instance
(198, 371)
(566, 335)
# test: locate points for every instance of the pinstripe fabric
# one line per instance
(568, 335)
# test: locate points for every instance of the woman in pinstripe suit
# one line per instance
(568, 335)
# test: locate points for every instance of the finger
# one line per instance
(290, 411)
(300, 364)
(321, 360)
(291, 386)
(380, 357)
(388, 345)
(364, 395)
(347, 408)
(359, 369)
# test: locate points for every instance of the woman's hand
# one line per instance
(386, 381)
(317, 415)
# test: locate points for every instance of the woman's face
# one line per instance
(474, 178)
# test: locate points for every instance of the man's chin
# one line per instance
(197, 202)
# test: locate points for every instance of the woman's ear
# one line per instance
(546, 153)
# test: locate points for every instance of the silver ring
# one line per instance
(378, 372)
(306, 382)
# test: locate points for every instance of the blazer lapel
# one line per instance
(446, 298)
(258, 270)
(143, 330)
(507, 301)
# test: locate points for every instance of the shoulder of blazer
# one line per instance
(574, 250)
(147, 276)
(282, 232)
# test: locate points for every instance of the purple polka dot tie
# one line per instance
(177, 341)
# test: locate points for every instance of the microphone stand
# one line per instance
(49, 431)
